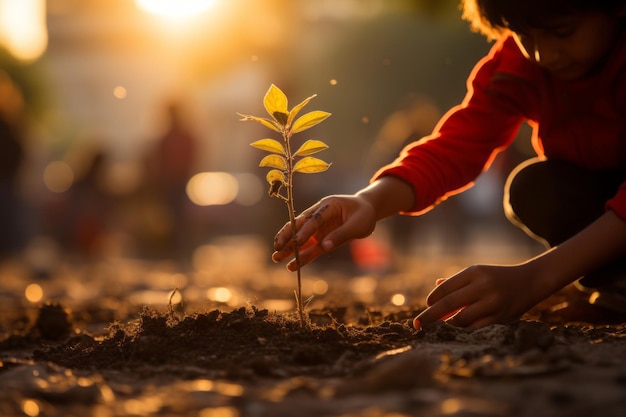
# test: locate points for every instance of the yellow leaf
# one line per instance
(310, 147)
(309, 120)
(294, 112)
(310, 165)
(269, 145)
(265, 122)
(275, 175)
(275, 101)
(274, 161)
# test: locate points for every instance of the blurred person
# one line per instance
(89, 210)
(12, 231)
(171, 163)
(558, 65)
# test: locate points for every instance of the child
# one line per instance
(559, 65)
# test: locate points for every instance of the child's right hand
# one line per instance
(326, 225)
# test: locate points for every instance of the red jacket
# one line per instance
(583, 122)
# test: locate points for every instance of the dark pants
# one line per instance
(553, 200)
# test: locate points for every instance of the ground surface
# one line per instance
(110, 354)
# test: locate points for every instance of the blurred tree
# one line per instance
(29, 79)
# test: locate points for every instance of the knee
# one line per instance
(523, 189)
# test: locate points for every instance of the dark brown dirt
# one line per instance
(243, 343)
(254, 362)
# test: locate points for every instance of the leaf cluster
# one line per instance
(281, 159)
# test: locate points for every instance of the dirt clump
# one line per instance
(238, 344)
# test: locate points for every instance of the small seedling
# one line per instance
(284, 162)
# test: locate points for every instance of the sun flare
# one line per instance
(175, 8)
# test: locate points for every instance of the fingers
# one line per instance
(462, 308)
(313, 223)
(447, 286)
(284, 235)
(306, 253)
(308, 224)
(444, 308)
(449, 299)
(323, 227)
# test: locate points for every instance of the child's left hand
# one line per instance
(481, 295)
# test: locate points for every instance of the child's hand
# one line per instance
(481, 295)
(325, 226)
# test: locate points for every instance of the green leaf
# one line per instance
(309, 120)
(274, 161)
(275, 101)
(310, 147)
(269, 145)
(294, 112)
(265, 122)
(310, 165)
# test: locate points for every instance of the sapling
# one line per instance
(284, 162)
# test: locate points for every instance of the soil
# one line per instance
(349, 359)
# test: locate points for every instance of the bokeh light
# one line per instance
(320, 287)
(219, 412)
(175, 8)
(33, 293)
(31, 408)
(212, 188)
(219, 294)
(363, 285)
(277, 305)
(58, 176)
(23, 28)
(398, 299)
(145, 406)
(120, 92)
(175, 297)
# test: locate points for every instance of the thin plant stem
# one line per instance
(292, 221)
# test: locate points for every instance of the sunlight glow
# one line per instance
(175, 8)
(23, 28)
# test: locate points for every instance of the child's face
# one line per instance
(571, 47)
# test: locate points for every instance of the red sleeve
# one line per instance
(470, 135)
(618, 202)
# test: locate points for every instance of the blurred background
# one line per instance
(120, 138)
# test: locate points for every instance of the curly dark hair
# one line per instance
(493, 18)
